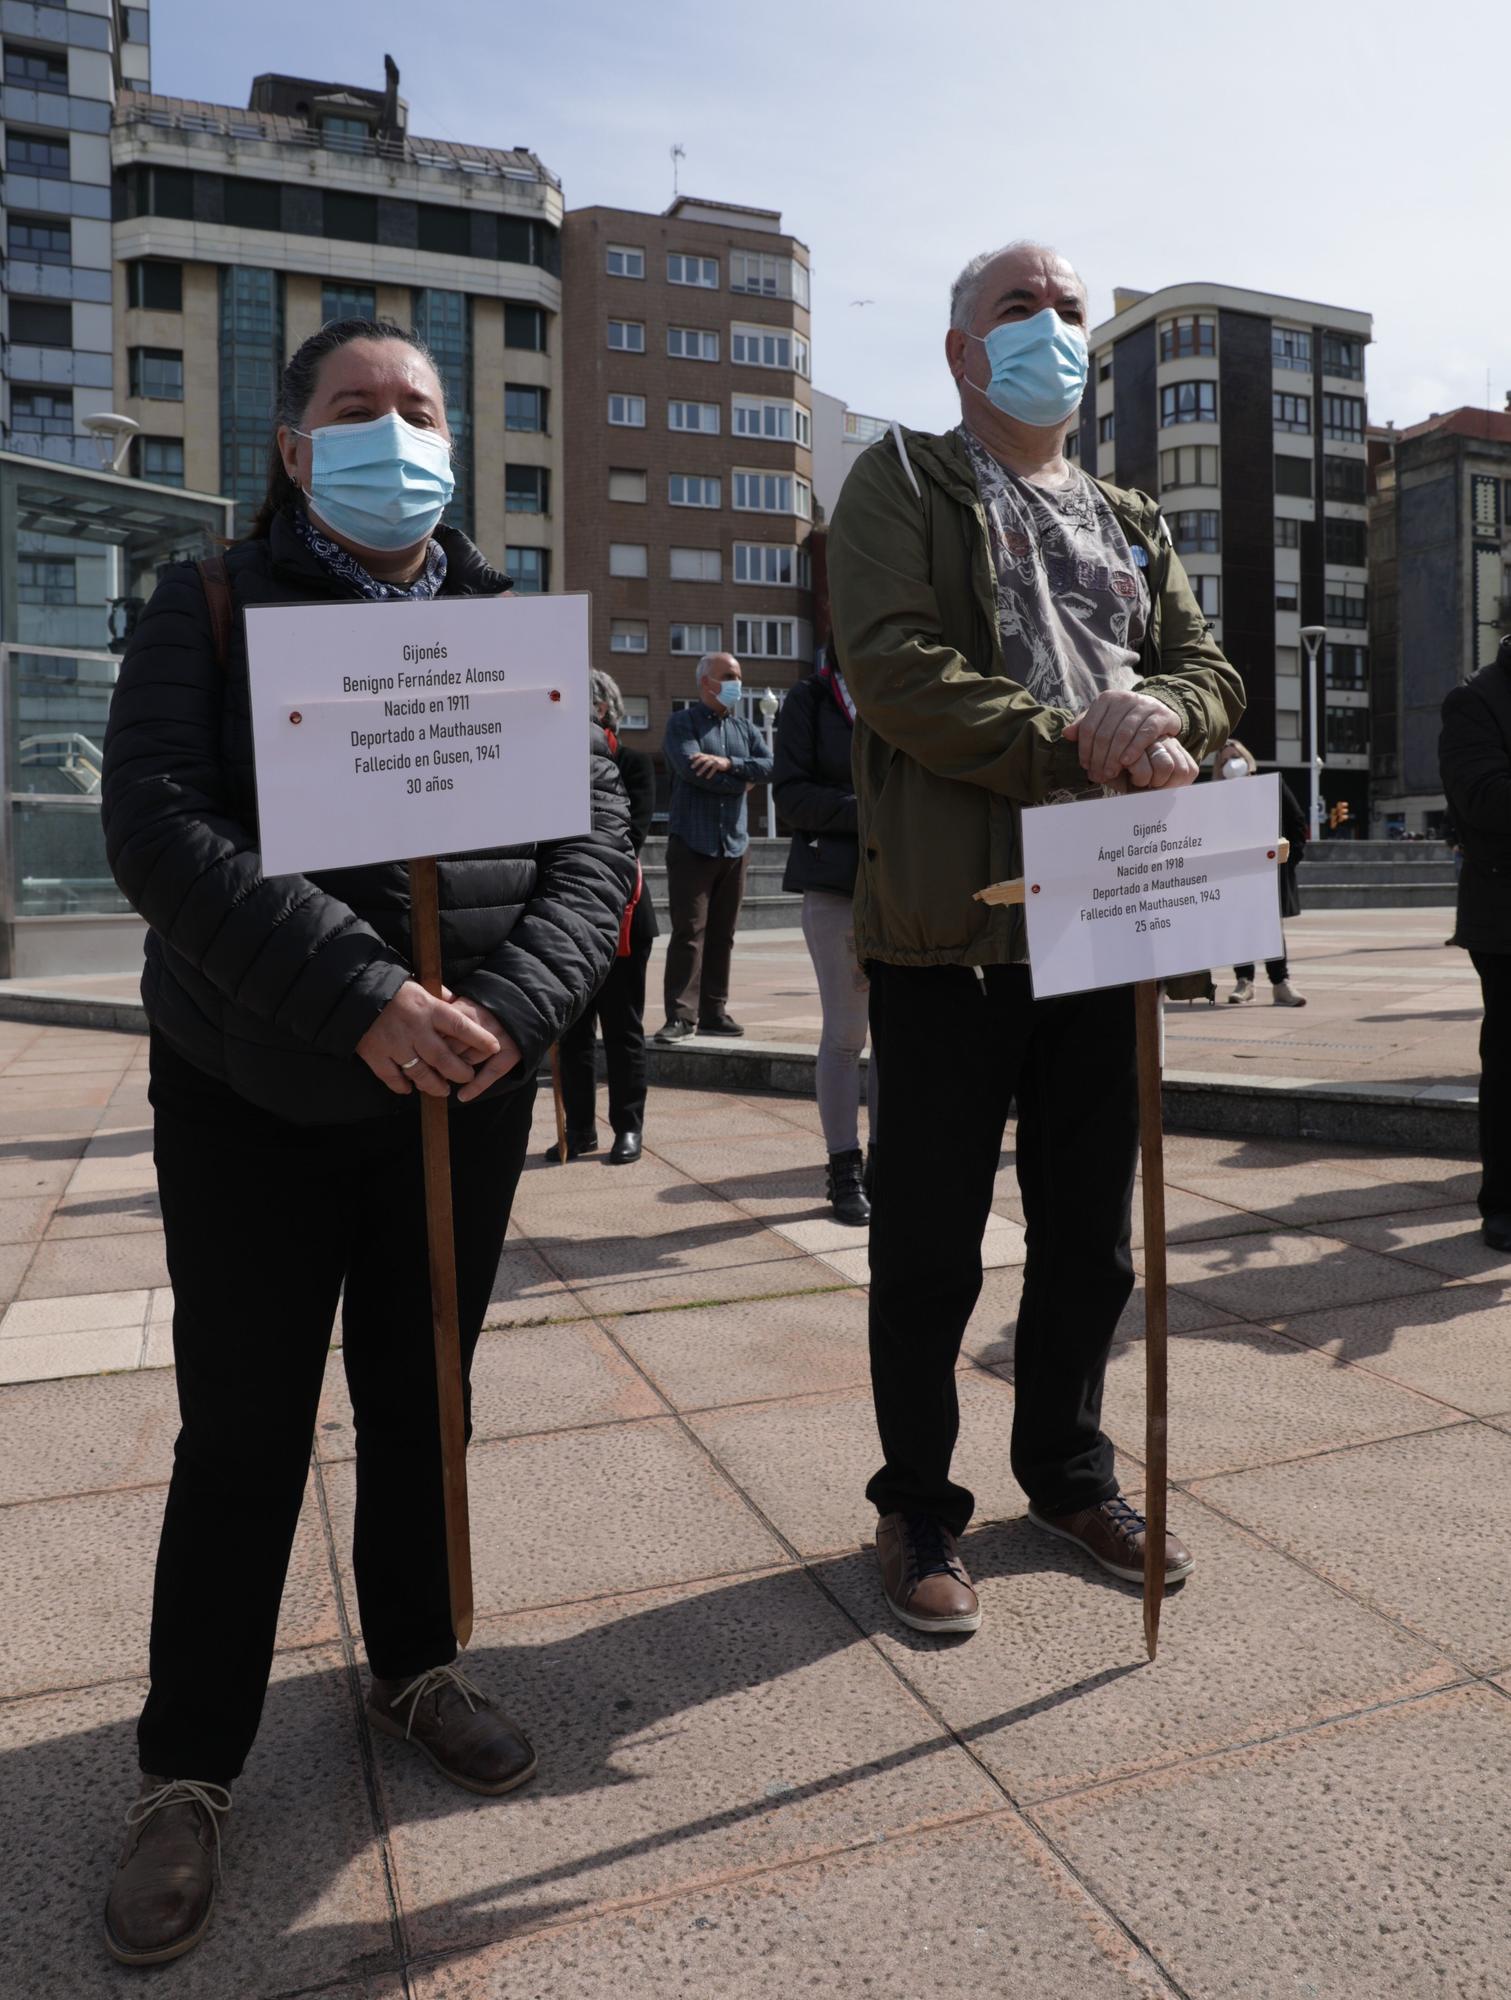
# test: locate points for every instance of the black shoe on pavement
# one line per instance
(847, 1198)
(721, 1024)
(625, 1150)
(1496, 1231)
(676, 1030)
(578, 1143)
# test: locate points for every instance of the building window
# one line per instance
(768, 347)
(443, 321)
(687, 490)
(259, 205)
(628, 559)
(691, 343)
(525, 408)
(1343, 542)
(789, 422)
(771, 493)
(1343, 355)
(774, 563)
(1287, 596)
(1345, 604)
(1291, 413)
(1197, 532)
(629, 635)
(1343, 417)
(251, 359)
(1106, 428)
(1287, 533)
(1207, 591)
(1104, 368)
(698, 639)
(1345, 478)
(1347, 667)
(347, 302)
(1187, 403)
(166, 191)
(346, 135)
(28, 69)
(693, 417)
(624, 262)
(1348, 732)
(1293, 476)
(30, 240)
(684, 270)
(42, 412)
(637, 712)
(627, 336)
(1192, 334)
(50, 580)
(1189, 465)
(696, 566)
(1290, 347)
(628, 412)
(772, 638)
(771, 277)
(527, 489)
(40, 323)
(525, 327)
(626, 484)
(154, 285)
(158, 373)
(160, 460)
(1484, 503)
(529, 570)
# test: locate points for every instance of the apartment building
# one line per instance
(689, 448)
(240, 232)
(1245, 413)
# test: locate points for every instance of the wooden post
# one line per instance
(435, 1138)
(560, 1103)
(1146, 1008)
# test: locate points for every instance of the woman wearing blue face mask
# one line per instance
(290, 1043)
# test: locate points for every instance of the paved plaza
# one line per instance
(753, 1783)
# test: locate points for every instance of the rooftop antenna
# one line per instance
(678, 153)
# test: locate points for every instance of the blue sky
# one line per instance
(1325, 148)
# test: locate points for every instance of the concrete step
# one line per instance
(1363, 853)
(1379, 896)
(1371, 873)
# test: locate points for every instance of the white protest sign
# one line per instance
(388, 731)
(1151, 883)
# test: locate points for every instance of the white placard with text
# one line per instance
(388, 731)
(1150, 884)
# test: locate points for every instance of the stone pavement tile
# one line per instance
(76, 1588)
(42, 1096)
(1417, 1527)
(747, 1353)
(1261, 1277)
(524, 1379)
(1445, 1240)
(1306, 1192)
(120, 1214)
(1365, 1861)
(970, 1911)
(683, 1736)
(303, 1902)
(23, 1218)
(86, 1436)
(38, 1166)
(97, 1264)
(1194, 1218)
(49, 1357)
(14, 1261)
(158, 1350)
(526, 1289)
(1054, 1692)
(22, 1122)
(90, 1312)
(786, 1275)
(989, 1335)
(1454, 1343)
(1241, 1397)
(613, 1210)
(806, 1464)
(726, 1239)
(115, 1161)
(578, 1514)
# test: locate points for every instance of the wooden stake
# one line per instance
(1146, 1006)
(561, 1104)
(440, 1229)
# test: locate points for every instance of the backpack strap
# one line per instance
(907, 463)
(216, 579)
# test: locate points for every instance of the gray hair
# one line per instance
(605, 694)
(704, 664)
(965, 293)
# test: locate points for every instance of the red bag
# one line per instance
(629, 914)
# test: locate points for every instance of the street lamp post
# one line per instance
(769, 704)
(1312, 637)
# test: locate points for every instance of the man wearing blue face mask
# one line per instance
(715, 758)
(1012, 633)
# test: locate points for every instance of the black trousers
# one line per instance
(703, 893)
(618, 1008)
(1277, 968)
(955, 1053)
(265, 1223)
(1494, 969)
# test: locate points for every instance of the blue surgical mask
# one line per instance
(383, 484)
(1038, 368)
(729, 693)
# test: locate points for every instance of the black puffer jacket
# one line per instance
(269, 982)
(639, 776)
(815, 791)
(1474, 755)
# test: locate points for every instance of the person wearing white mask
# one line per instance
(1232, 761)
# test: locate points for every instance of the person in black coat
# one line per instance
(815, 795)
(1234, 761)
(290, 1043)
(1474, 756)
(618, 1007)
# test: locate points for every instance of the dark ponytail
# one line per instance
(296, 390)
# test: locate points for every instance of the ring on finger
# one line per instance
(413, 1063)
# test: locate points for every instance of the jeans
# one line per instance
(618, 1008)
(265, 1223)
(829, 932)
(955, 1051)
(1494, 969)
(704, 893)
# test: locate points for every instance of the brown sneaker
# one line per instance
(164, 1884)
(922, 1574)
(468, 1740)
(1113, 1535)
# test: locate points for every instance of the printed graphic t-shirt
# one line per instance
(1072, 604)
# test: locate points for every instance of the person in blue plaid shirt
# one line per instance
(715, 758)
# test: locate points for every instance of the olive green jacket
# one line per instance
(947, 748)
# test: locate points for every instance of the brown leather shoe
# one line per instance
(1113, 1535)
(468, 1740)
(164, 1884)
(922, 1574)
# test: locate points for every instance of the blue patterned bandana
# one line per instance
(340, 563)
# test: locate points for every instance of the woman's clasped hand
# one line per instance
(427, 1044)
